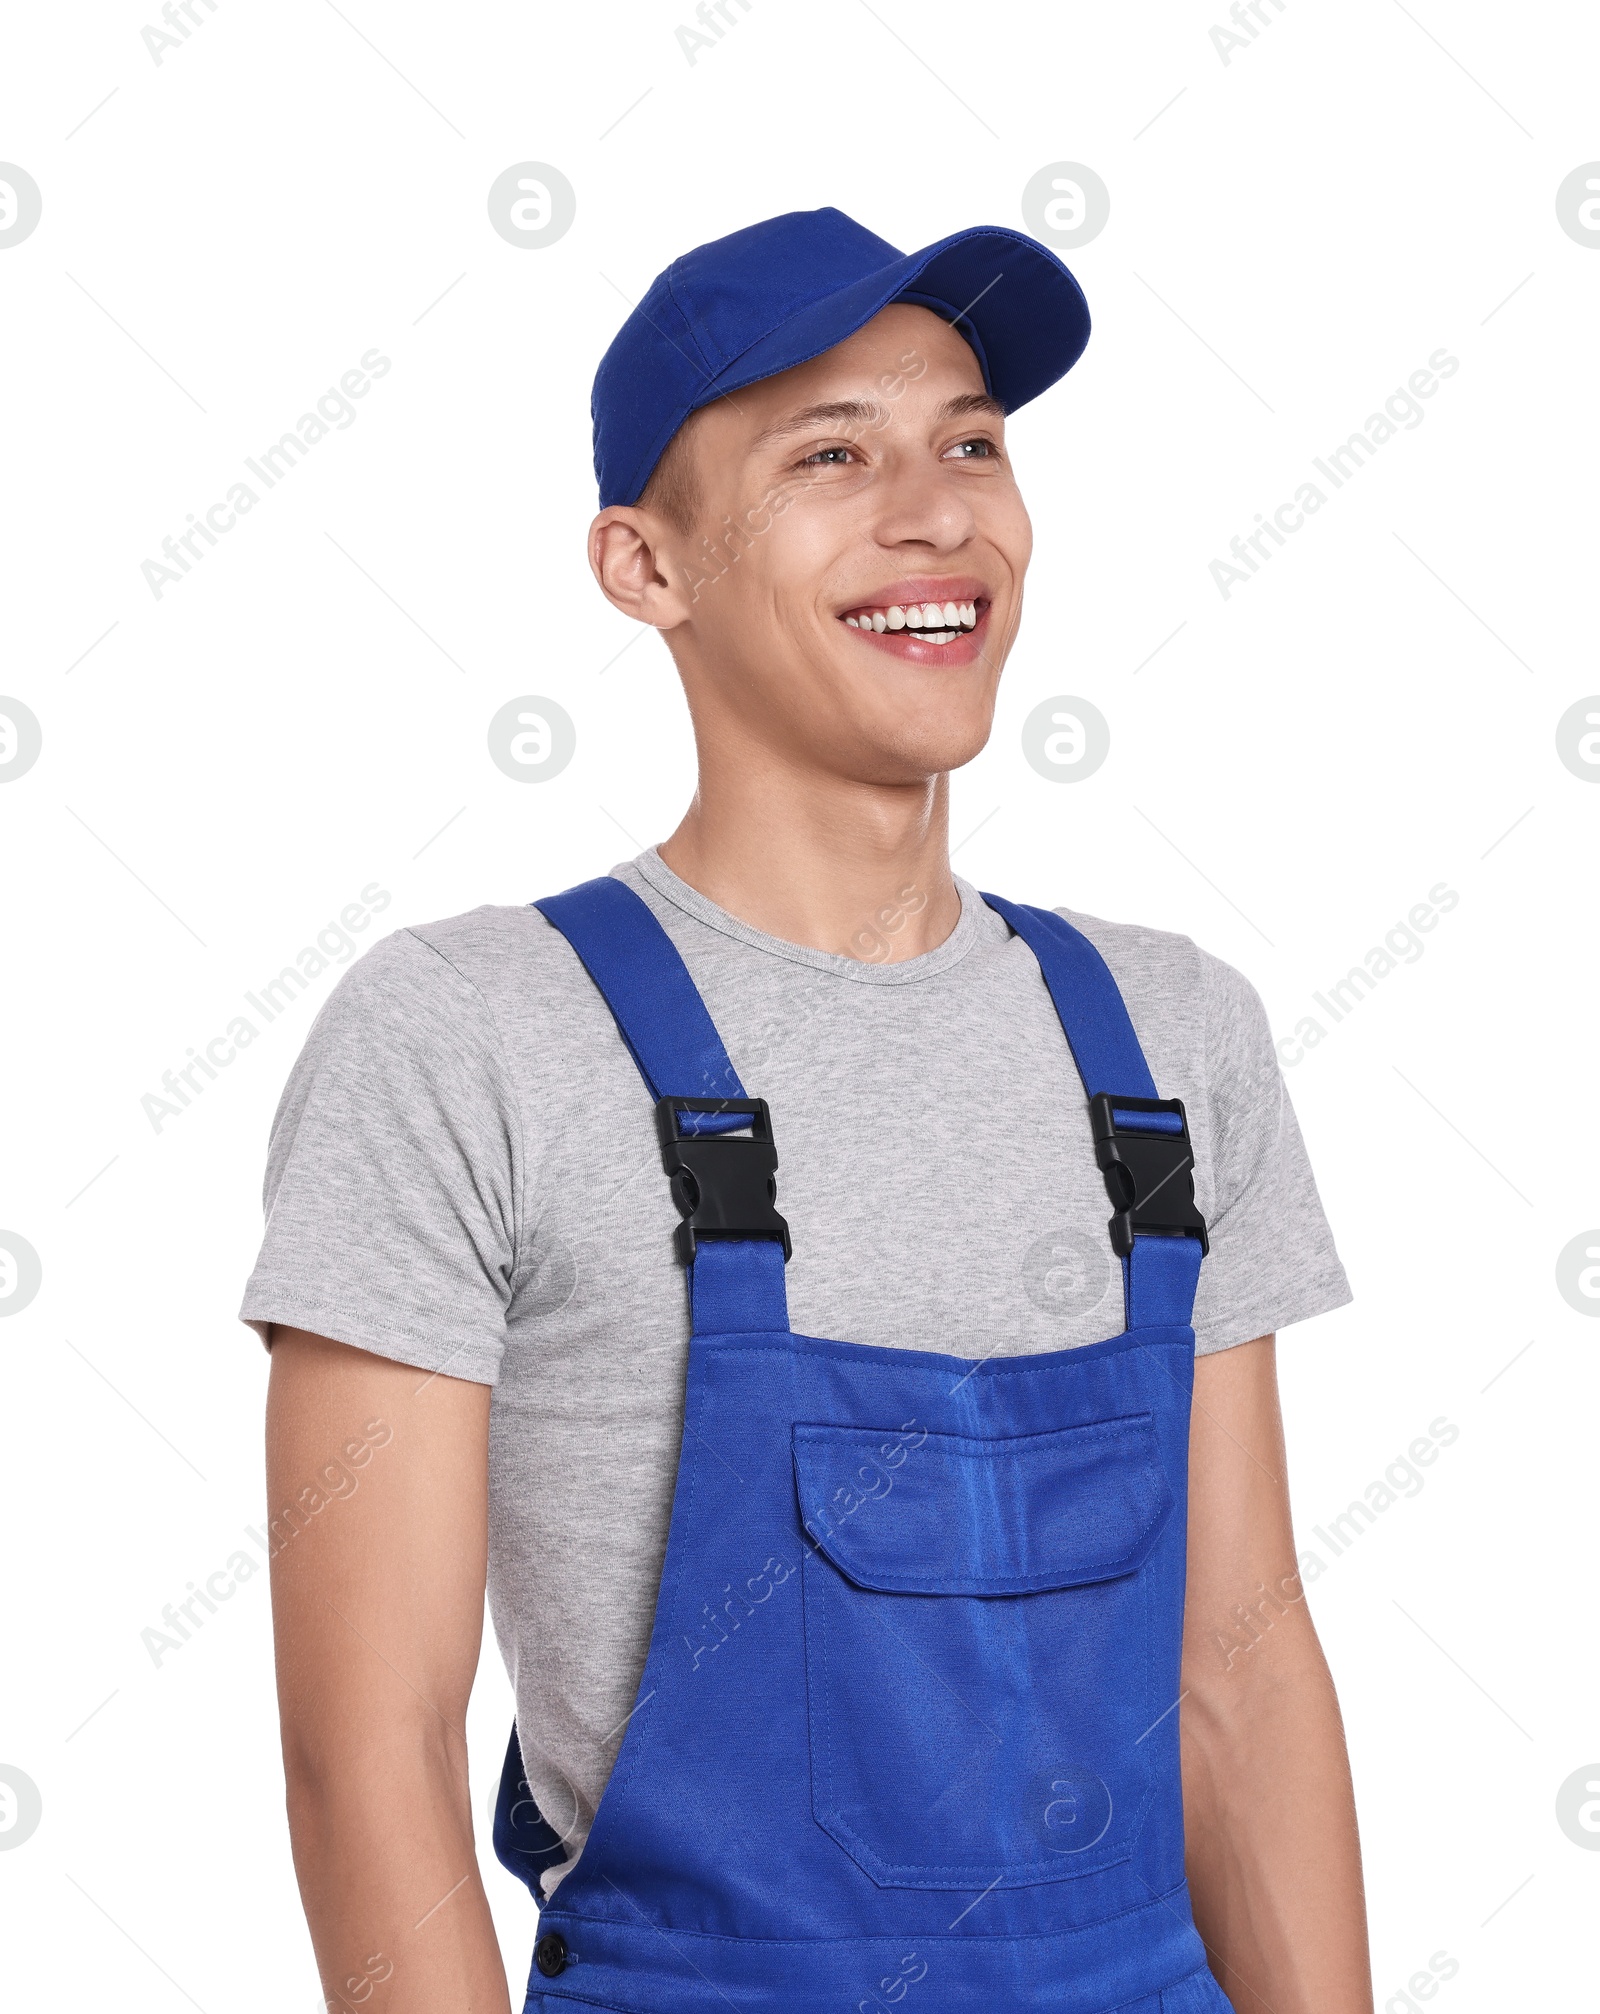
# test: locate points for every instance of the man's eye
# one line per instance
(827, 457)
(971, 451)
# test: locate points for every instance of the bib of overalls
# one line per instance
(907, 1733)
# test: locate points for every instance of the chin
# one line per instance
(893, 737)
(946, 737)
(915, 757)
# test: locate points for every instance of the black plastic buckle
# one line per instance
(724, 1185)
(1149, 1174)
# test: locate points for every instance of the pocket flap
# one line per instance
(957, 1515)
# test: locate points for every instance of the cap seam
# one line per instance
(711, 370)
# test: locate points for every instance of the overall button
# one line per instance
(550, 1954)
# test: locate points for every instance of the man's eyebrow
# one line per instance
(971, 402)
(864, 412)
(859, 412)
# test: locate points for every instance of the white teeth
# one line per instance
(934, 621)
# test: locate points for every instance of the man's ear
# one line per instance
(632, 554)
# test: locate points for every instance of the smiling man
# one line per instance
(798, 1344)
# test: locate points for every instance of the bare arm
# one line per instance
(377, 1479)
(1274, 1859)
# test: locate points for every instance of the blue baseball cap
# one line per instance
(781, 292)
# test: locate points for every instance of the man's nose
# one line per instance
(921, 503)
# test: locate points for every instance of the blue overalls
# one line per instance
(906, 1740)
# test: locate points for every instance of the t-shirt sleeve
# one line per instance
(1272, 1258)
(393, 1170)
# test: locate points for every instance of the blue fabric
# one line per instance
(898, 1972)
(1095, 1021)
(907, 1727)
(713, 1122)
(660, 1014)
(737, 1284)
(1160, 1279)
(893, 1971)
(982, 1516)
(820, 1778)
(1160, 1275)
(782, 291)
(1148, 1122)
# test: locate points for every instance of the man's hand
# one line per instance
(1274, 1859)
(377, 1479)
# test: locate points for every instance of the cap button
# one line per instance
(550, 1954)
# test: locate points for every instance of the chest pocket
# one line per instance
(979, 1664)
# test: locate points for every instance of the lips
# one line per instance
(925, 621)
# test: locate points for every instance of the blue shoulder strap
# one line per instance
(1160, 1273)
(735, 1284)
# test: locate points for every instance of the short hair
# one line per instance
(673, 491)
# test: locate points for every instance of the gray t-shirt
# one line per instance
(464, 1175)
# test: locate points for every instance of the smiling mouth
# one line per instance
(928, 622)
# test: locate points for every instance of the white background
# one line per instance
(1292, 233)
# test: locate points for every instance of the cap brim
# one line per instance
(1015, 303)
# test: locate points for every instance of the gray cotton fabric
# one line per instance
(464, 1175)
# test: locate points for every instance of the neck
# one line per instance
(857, 868)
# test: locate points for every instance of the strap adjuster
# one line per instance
(724, 1185)
(1143, 1147)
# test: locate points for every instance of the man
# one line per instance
(853, 1671)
